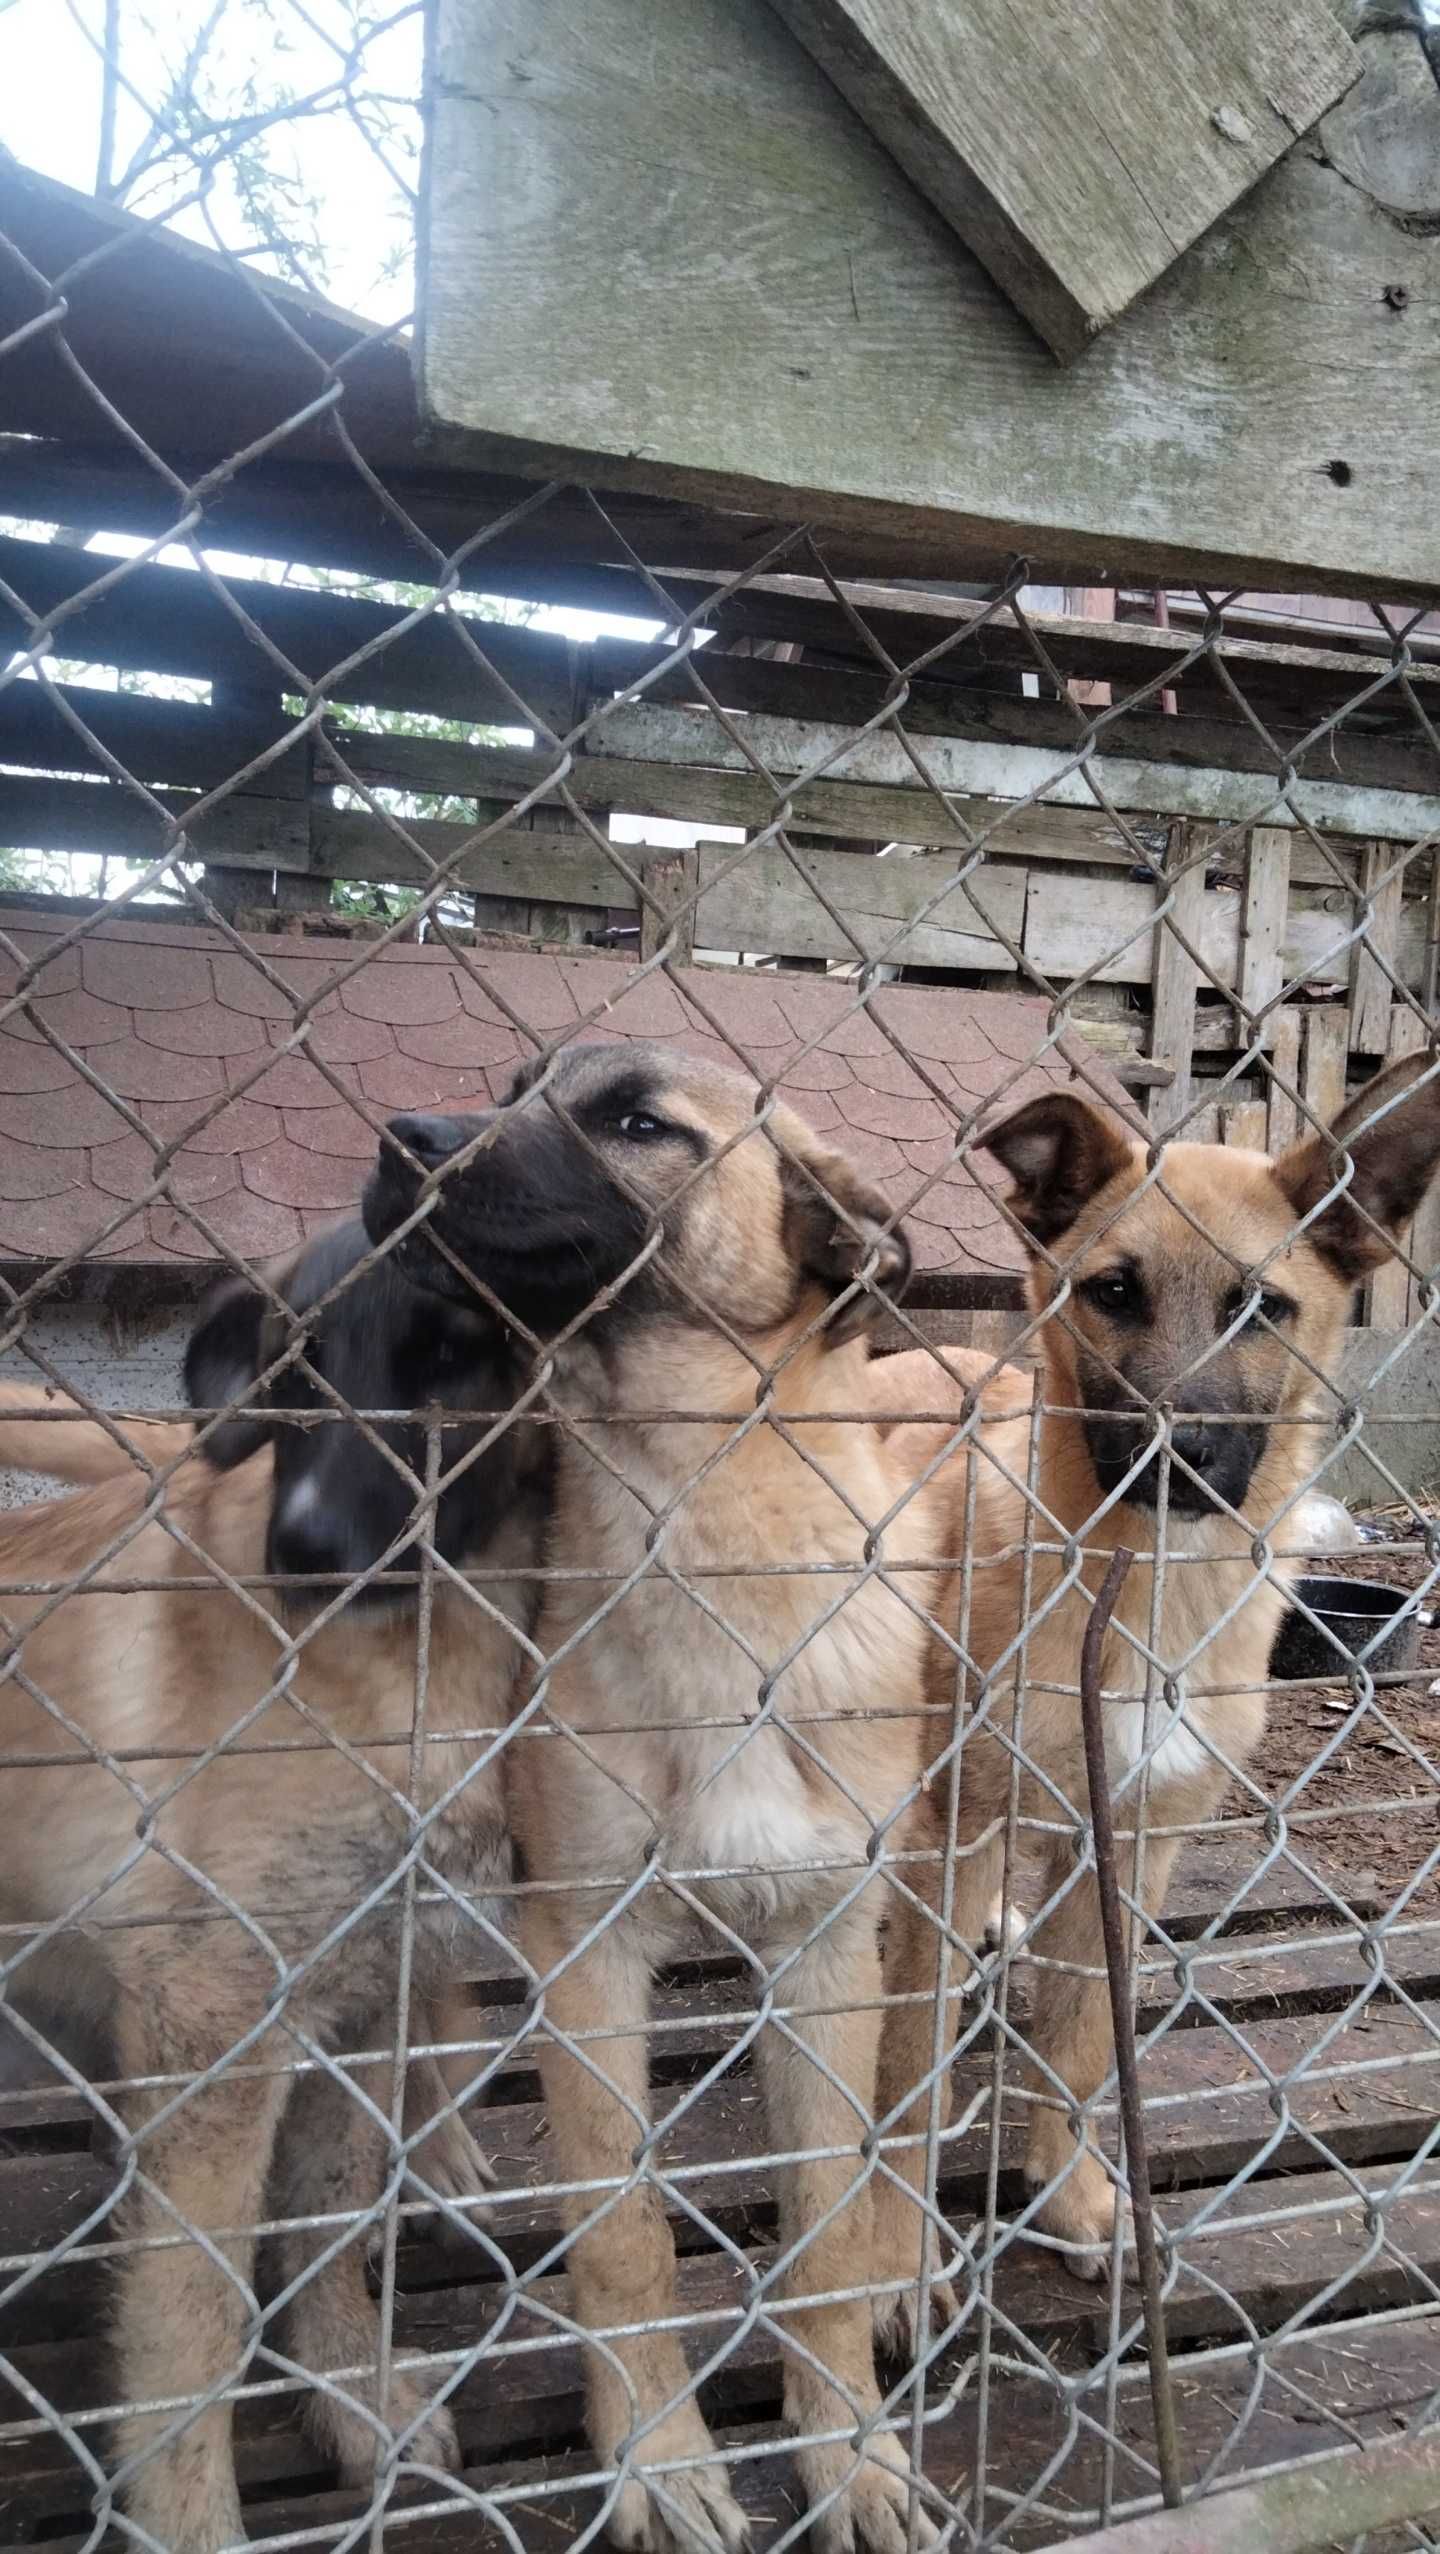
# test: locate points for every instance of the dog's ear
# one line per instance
(1060, 1152)
(1396, 1156)
(226, 1352)
(837, 1225)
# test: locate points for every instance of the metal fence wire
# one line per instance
(679, 1857)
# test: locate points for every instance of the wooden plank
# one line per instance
(1307, 2393)
(1282, 1123)
(1322, 1080)
(985, 706)
(1378, 905)
(1265, 2250)
(172, 743)
(76, 815)
(1175, 975)
(1091, 603)
(1206, 2088)
(168, 621)
(1103, 923)
(1262, 928)
(574, 308)
(881, 814)
(1007, 770)
(1314, 675)
(673, 881)
(1078, 173)
(1073, 925)
(701, 794)
(515, 861)
(766, 903)
(263, 510)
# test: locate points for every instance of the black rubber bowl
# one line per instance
(1353, 1612)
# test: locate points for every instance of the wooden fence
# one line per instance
(1322, 897)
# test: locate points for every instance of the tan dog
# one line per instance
(71, 1446)
(731, 1722)
(44, 1430)
(1222, 1293)
(215, 1906)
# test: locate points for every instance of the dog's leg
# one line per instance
(445, 2150)
(904, 2231)
(1070, 2032)
(186, 2317)
(819, 2071)
(622, 2254)
(334, 2161)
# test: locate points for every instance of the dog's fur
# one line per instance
(193, 1901)
(1152, 1315)
(73, 1447)
(753, 1734)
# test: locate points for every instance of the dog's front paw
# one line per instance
(898, 2229)
(897, 2318)
(860, 2499)
(346, 2425)
(692, 2511)
(450, 2168)
(1079, 2213)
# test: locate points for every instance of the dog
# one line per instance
(731, 1719)
(206, 1899)
(1219, 1292)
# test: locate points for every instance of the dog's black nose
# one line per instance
(430, 1139)
(1201, 1448)
(306, 1537)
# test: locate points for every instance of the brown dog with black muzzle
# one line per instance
(241, 1820)
(731, 1723)
(1192, 1318)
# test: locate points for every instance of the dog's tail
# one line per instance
(42, 1430)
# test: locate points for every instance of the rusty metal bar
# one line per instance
(1117, 1965)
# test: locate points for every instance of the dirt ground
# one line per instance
(1381, 1802)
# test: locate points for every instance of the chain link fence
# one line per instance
(604, 1928)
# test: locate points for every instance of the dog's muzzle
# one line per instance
(1211, 1468)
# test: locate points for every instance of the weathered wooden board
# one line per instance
(1272, 662)
(1262, 923)
(700, 794)
(73, 815)
(783, 321)
(1079, 160)
(257, 514)
(1322, 1085)
(977, 767)
(165, 621)
(1282, 1120)
(1379, 908)
(1175, 973)
(983, 704)
(1074, 924)
(769, 902)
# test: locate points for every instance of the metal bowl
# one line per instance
(1355, 1613)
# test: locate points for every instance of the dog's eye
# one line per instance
(1118, 1292)
(1244, 1299)
(639, 1127)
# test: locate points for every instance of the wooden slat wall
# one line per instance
(1065, 897)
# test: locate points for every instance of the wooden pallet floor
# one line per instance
(1291, 2088)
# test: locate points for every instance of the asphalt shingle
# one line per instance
(173, 1017)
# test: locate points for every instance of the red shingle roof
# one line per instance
(170, 1019)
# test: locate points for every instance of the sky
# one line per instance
(352, 162)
